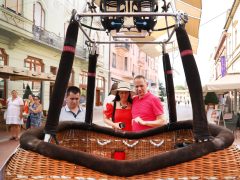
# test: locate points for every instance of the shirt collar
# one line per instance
(74, 114)
(67, 108)
(145, 95)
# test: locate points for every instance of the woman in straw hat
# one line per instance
(118, 113)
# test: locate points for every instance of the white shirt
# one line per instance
(67, 115)
(13, 111)
(108, 99)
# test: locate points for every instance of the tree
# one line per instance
(179, 87)
(162, 91)
(27, 92)
(211, 98)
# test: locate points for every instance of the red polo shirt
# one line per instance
(148, 108)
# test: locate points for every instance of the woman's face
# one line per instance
(123, 95)
(14, 94)
(30, 97)
(36, 100)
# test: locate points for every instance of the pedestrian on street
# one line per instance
(147, 109)
(14, 114)
(118, 113)
(35, 113)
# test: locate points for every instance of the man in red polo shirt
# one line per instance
(147, 110)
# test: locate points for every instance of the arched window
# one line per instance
(39, 15)
(3, 57)
(14, 5)
(33, 64)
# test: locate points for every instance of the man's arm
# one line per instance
(21, 112)
(160, 121)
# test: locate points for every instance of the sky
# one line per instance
(213, 18)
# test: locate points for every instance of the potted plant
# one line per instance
(211, 100)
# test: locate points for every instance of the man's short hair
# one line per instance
(73, 89)
(140, 77)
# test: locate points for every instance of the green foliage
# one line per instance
(162, 90)
(179, 87)
(211, 98)
(27, 92)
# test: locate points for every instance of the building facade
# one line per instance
(127, 61)
(31, 38)
(227, 55)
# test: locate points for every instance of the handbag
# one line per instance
(28, 123)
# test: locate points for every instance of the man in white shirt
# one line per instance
(72, 111)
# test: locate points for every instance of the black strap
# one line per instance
(114, 108)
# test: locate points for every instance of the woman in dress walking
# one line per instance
(14, 116)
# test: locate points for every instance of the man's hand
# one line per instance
(140, 121)
(158, 122)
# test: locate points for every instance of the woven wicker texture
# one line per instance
(104, 145)
(224, 164)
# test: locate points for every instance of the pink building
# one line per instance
(127, 61)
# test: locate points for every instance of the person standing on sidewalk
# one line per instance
(147, 110)
(14, 116)
(35, 113)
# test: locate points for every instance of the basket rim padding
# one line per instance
(33, 140)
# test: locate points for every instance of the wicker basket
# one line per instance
(224, 164)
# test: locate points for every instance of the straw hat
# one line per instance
(123, 86)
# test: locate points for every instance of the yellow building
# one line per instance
(31, 39)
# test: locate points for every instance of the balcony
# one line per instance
(11, 21)
(51, 39)
(124, 46)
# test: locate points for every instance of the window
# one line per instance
(14, 5)
(65, 28)
(39, 15)
(3, 57)
(100, 82)
(83, 79)
(114, 60)
(3, 61)
(34, 64)
(54, 71)
(236, 39)
(126, 64)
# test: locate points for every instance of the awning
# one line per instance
(227, 83)
(14, 74)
